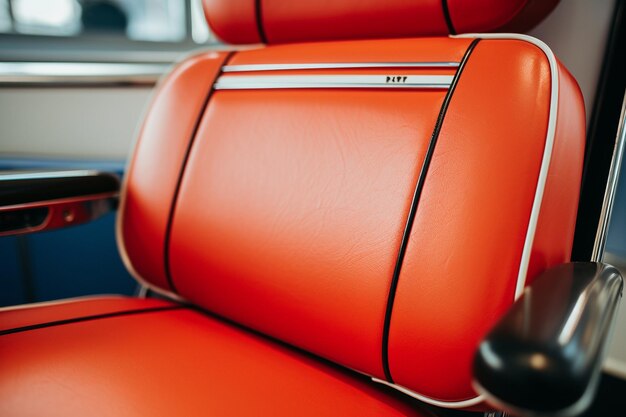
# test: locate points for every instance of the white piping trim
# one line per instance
(445, 404)
(534, 216)
(547, 153)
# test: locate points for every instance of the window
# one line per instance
(140, 21)
(48, 17)
(5, 16)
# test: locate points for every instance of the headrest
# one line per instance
(283, 21)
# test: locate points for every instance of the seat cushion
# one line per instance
(127, 357)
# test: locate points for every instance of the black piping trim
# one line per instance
(414, 203)
(446, 15)
(168, 227)
(258, 10)
(88, 318)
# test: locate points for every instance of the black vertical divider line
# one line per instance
(194, 133)
(446, 15)
(414, 203)
(258, 10)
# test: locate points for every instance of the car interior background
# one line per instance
(97, 90)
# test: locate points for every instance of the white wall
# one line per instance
(577, 31)
(98, 123)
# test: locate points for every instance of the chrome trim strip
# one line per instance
(65, 200)
(80, 73)
(25, 175)
(611, 189)
(75, 210)
(336, 65)
(107, 73)
(231, 82)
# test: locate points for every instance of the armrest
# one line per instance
(34, 201)
(544, 356)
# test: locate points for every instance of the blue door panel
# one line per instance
(78, 261)
(71, 262)
(12, 290)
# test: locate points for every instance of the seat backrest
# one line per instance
(379, 203)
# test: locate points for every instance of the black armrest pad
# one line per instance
(545, 355)
(17, 188)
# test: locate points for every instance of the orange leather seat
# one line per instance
(377, 203)
(126, 357)
(314, 196)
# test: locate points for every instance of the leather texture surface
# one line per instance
(292, 203)
(152, 176)
(464, 252)
(172, 363)
(555, 227)
(288, 212)
(480, 16)
(305, 199)
(284, 21)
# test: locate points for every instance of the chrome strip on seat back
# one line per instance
(342, 80)
(227, 82)
(336, 65)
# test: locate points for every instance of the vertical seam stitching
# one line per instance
(192, 140)
(258, 10)
(446, 16)
(413, 209)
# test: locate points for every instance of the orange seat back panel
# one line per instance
(153, 174)
(381, 225)
(466, 244)
(306, 194)
(307, 219)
